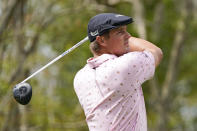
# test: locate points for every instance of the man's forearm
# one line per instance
(137, 44)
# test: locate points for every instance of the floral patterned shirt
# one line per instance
(109, 90)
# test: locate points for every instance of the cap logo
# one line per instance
(118, 15)
(94, 33)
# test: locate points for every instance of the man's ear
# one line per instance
(100, 40)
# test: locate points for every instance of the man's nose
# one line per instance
(127, 35)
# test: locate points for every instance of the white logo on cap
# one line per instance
(94, 33)
(118, 15)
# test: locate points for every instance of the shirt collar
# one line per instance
(95, 62)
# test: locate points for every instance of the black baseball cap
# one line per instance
(104, 22)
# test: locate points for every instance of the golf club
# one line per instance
(22, 92)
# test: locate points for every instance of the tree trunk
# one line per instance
(12, 120)
(171, 75)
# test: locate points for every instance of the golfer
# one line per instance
(109, 85)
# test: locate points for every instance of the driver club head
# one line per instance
(22, 93)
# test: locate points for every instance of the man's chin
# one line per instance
(120, 54)
(127, 49)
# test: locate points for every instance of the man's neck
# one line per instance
(95, 55)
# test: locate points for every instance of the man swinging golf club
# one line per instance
(109, 85)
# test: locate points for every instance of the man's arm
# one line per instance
(137, 44)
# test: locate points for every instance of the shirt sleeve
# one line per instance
(138, 65)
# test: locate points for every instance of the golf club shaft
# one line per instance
(57, 58)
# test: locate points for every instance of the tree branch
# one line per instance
(8, 16)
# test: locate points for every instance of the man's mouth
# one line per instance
(126, 46)
(126, 43)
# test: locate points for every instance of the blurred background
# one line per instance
(33, 32)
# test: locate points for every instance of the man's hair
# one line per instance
(95, 47)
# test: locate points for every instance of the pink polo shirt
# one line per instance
(109, 90)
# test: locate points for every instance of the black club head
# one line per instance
(22, 93)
